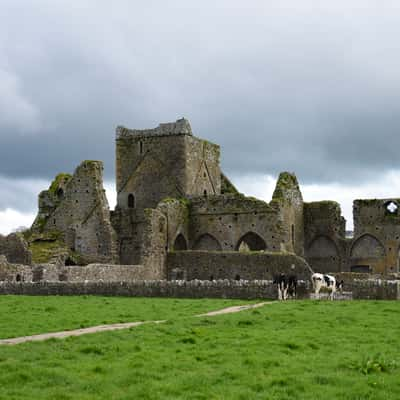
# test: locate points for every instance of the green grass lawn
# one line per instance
(292, 350)
(29, 315)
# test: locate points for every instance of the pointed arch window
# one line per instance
(131, 201)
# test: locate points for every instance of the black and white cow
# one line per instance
(287, 285)
(326, 281)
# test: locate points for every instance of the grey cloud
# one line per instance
(20, 194)
(280, 85)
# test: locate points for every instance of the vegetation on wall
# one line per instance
(286, 181)
(46, 246)
(60, 179)
(227, 186)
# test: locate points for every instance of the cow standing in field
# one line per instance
(287, 285)
(326, 281)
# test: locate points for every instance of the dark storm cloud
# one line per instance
(288, 85)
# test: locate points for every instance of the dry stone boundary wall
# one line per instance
(377, 289)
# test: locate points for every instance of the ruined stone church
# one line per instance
(179, 217)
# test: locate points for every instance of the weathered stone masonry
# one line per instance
(178, 215)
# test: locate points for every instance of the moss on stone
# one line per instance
(253, 199)
(184, 202)
(61, 178)
(367, 202)
(286, 181)
(148, 212)
(168, 200)
(46, 246)
(227, 186)
(40, 222)
(90, 163)
(323, 203)
(208, 143)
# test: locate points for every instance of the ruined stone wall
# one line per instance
(177, 217)
(15, 248)
(203, 171)
(58, 273)
(205, 265)
(288, 200)
(383, 290)
(165, 162)
(127, 224)
(142, 239)
(14, 272)
(376, 242)
(374, 289)
(154, 244)
(78, 208)
(325, 243)
(144, 236)
(156, 173)
(178, 289)
(228, 221)
(225, 222)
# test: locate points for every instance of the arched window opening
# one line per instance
(205, 193)
(251, 242)
(60, 193)
(131, 201)
(207, 242)
(180, 243)
(323, 254)
(237, 278)
(367, 246)
(140, 147)
(18, 278)
(292, 235)
(391, 208)
(322, 247)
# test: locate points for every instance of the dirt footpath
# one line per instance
(114, 327)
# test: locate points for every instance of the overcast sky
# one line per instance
(305, 86)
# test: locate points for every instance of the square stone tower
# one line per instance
(167, 161)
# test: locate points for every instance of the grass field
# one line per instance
(30, 315)
(292, 350)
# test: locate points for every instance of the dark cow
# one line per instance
(287, 286)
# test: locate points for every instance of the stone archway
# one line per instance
(367, 254)
(323, 255)
(251, 242)
(180, 243)
(207, 242)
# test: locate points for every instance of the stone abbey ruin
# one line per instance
(178, 217)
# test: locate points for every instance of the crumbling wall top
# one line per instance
(180, 127)
(287, 187)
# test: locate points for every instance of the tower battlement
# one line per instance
(179, 127)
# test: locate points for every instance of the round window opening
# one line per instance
(392, 207)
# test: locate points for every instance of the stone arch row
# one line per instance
(248, 242)
(365, 247)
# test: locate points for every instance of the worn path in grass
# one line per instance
(114, 327)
